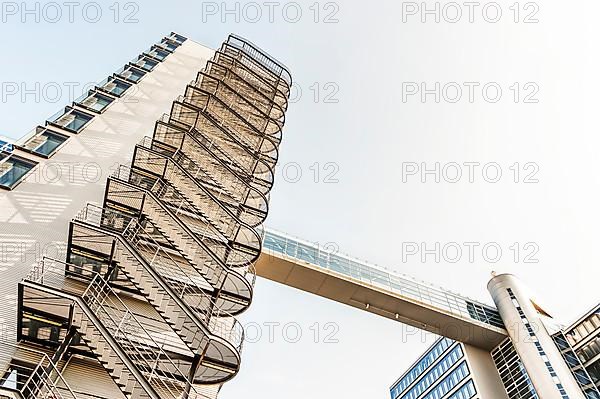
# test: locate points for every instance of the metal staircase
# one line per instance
(156, 275)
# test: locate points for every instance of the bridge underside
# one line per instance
(343, 289)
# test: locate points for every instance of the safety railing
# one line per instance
(364, 272)
(186, 287)
(44, 379)
(261, 56)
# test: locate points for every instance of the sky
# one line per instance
(445, 142)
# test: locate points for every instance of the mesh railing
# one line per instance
(369, 274)
(188, 288)
(260, 56)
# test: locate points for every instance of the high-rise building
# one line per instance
(126, 258)
(539, 359)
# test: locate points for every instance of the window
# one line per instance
(43, 142)
(146, 63)
(6, 147)
(157, 53)
(114, 86)
(176, 37)
(13, 170)
(421, 366)
(94, 101)
(169, 45)
(72, 120)
(17, 374)
(131, 73)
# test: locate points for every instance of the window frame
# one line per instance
(70, 109)
(94, 92)
(39, 130)
(20, 180)
(131, 66)
(111, 79)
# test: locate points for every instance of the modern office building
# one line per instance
(127, 258)
(539, 359)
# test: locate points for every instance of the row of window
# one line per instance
(435, 373)
(514, 377)
(427, 360)
(538, 346)
(585, 328)
(576, 367)
(467, 391)
(45, 141)
(450, 382)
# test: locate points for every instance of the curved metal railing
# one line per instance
(212, 196)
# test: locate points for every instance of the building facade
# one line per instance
(539, 359)
(127, 258)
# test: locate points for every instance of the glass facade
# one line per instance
(576, 367)
(423, 364)
(458, 375)
(467, 391)
(512, 372)
(366, 273)
(434, 375)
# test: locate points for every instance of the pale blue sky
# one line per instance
(367, 135)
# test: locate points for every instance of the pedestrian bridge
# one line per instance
(308, 267)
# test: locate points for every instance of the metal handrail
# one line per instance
(226, 94)
(253, 136)
(43, 378)
(161, 187)
(360, 270)
(93, 214)
(98, 296)
(253, 49)
(174, 169)
(225, 158)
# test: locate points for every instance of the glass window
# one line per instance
(95, 102)
(169, 45)
(44, 143)
(71, 120)
(178, 38)
(157, 53)
(13, 170)
(146, 63)
(5, 146)
(114, 86)
(131, 74)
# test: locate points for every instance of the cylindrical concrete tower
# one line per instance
(547, 370)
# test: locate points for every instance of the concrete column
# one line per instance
(525, 345)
